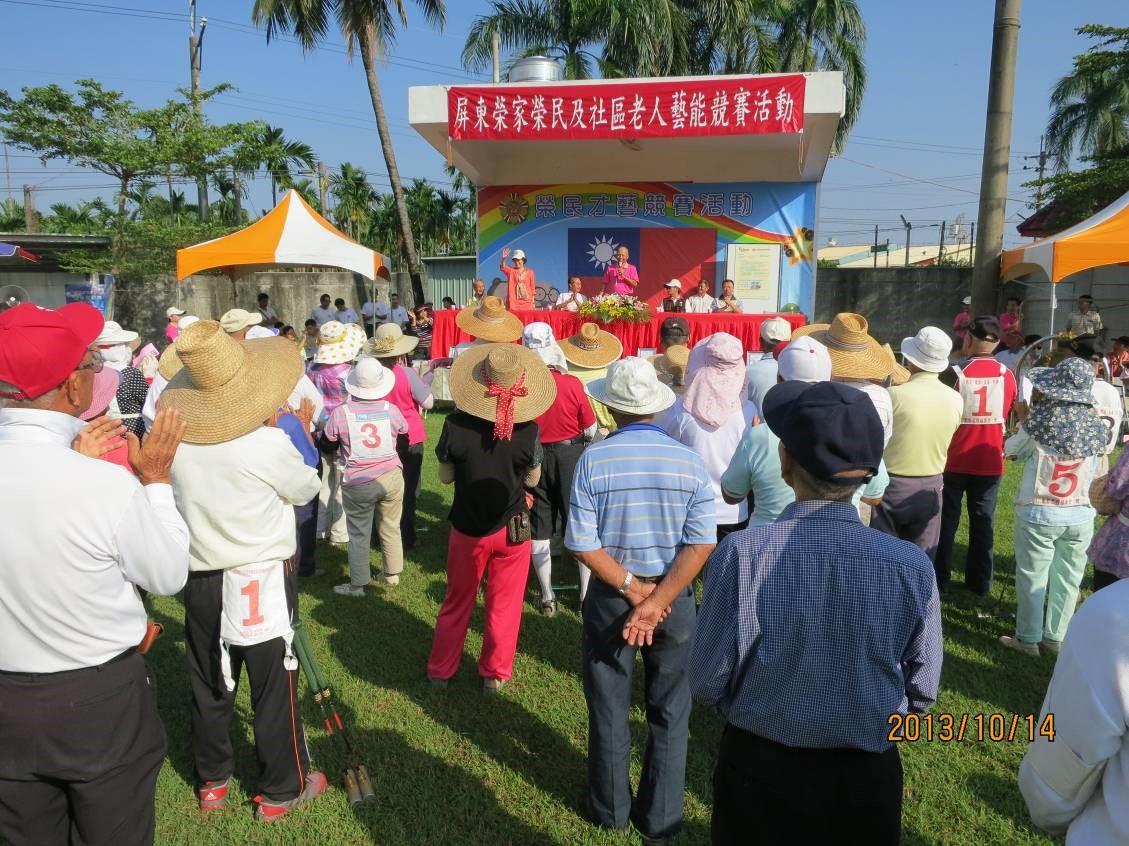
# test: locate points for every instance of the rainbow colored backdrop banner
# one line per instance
(673, 230)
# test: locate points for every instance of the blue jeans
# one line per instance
(608, 665)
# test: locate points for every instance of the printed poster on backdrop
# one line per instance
(677, 108)
(675, 230)
(97, 290)
(755, 271)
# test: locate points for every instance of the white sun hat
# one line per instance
(633, 387)
(370, 380)
(929, 349)
(673, 283)
(517, 254)
(113, 334)
(805, 360)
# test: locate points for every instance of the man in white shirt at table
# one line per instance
(81, 738)
(571, 299)
(701, 301)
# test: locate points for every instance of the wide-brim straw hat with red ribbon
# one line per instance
(227, 388)
(490, 321)
(854, 353)
(504, 383)
(592, 347)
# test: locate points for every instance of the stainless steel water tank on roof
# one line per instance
(535, 69)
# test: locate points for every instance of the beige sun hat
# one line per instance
(338, 343)
(671, 366)
(227, 388)
(237, 318)
(390, 342)
(501, 365)
(592, 347)
(490, 321)
(112, 335)
(854, 353)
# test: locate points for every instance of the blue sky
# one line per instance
(915, 149)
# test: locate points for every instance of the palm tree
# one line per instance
(731, 36)
(278, 155)
(826, 35)
(77, 220)
(308, 192)
(370, 27)
(352, 199)
(1089, 112)
(567, 30)
(421, 206)
(384, 227)
(11, 216)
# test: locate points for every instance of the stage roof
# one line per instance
(783, 157)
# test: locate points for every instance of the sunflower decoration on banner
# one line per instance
(514, 209)
(798, 248)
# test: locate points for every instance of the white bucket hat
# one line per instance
(805, 360)
(633, 387)
(776, 330)
(237, 318)
(173, 311)
(256, 333)
(673, 283)
(370, 380)
(539, 338)
(929, 349)
(187, 321)
(113, 334)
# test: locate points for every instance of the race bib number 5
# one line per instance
(1062, 481)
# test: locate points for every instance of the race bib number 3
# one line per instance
(370, 436)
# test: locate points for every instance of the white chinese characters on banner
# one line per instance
(723, 107)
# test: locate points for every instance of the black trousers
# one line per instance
(730, 528)
(306, 518)
(766, 792)
(280, 743)
(979, 562)
(1102, 579)
(550, 497)
(80, 755)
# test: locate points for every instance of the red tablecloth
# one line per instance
(746, 327)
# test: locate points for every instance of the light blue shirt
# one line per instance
(641, 496)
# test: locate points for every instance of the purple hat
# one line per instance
(106, 383)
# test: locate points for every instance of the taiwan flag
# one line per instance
(660, 254)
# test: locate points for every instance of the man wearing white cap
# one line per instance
(761, 372)
(172, 329)
(673, 301)
(926, 416)
(642, 520)
(237, 321)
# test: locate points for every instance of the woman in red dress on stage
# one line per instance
(520, 282)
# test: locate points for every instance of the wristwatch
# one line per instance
(626, 584)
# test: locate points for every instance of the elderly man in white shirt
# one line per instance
(236, 482)
(1075, 775)
(571, 299)
(702, 301)
(345, 313)
(82, 743)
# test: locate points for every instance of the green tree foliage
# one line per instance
(1075, 195)
(640, 38)
(1090, 105)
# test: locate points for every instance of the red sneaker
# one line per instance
(268, 811)
(213, 795)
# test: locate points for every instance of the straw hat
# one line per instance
(501, 365)
(370, 380)
(671, 366)
(338, 343)
(898, 375)
(390, 342)
(854, 354)
(106, 383)
(227, 388)
(168, 365)
(592, 347)
(490, 321)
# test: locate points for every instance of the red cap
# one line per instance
(41, 347)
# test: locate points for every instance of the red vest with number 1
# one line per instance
(988, 391)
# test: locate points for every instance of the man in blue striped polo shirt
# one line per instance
(641, 517)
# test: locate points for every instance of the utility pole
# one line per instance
(909, 232)
(876, 246)
(1041, 168)
(323, 188)
(195, 43)
(496, 50)
(941, 246)
(7, 170)
(997, 152)
(31, 219)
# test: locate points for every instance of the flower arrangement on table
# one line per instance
(608, 308)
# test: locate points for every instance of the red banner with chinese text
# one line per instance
(751, 105)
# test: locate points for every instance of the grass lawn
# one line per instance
(451, 767)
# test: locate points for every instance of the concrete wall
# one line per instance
(897, 301)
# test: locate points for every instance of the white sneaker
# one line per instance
(394, 579)
(1019, 645)
(349, 589)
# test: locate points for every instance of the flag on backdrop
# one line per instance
(590, 251)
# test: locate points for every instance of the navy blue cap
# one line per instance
(828, 428)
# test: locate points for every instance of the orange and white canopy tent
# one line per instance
(1100, 240)
(291, 234)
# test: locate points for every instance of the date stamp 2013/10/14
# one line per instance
(957, 728)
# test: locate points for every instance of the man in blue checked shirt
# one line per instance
(813, 631)
(641, 517)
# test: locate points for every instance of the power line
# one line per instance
(922, 180)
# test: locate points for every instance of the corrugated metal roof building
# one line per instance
(450, 276)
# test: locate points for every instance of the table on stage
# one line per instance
(745, 327)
